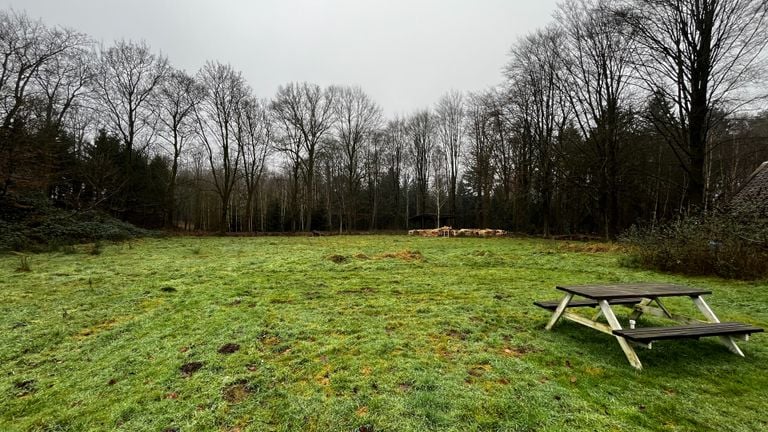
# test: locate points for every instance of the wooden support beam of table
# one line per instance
(587, 322)
(638, 312)
(651, 310)
(728, 341)
(634, 360)
(559, 311)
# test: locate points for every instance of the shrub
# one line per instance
(35, 225)
(719, 244)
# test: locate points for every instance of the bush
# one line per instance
(35, 225)
(721, 244)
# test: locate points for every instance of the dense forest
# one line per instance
(614, 114)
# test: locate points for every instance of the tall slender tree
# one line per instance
(216, 118)
(450, 133)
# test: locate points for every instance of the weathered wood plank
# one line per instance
(559, 311)
(620, 291)
(552, 304)
(689, 331)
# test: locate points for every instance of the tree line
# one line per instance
(615, 113)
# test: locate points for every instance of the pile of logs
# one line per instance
(447, 231)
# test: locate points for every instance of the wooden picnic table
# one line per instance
(640, 297)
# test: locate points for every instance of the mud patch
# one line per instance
(236, 392)
(188, 369)
(479, 370)
(404, 255)
(25, 387)
(456, 334)
(229, 348)
(281, 301)
(338, 259)
(517, 351)
(363, 290)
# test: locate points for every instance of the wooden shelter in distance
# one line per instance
(752, 197)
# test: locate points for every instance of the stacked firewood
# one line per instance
(447, 231)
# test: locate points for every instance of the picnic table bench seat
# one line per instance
(552, 304)
(690, 331)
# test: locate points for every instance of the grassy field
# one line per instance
(379, 333)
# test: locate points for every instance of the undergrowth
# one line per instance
(719, 244)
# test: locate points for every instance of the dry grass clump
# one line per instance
(592, 247)
(405, 255)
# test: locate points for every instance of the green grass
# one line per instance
(447, 341)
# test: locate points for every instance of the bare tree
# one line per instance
(595, 78)
(27, 48)
(305, 112)
(421, 130)
(216, 118)
(128, 76)
(357, 118)
(177, 97)
(450, 132)
(541, 106)
(482, 147)
(254, 136)
(697, 55)
(395, 149)
(64, 82)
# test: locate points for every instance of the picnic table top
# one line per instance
(646, 290)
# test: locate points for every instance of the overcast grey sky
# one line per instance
(404, 53)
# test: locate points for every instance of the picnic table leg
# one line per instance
(637, 313)
(634, 360)
(728, 341)
(559, 311)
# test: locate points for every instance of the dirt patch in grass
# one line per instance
(517, 351)
(338, 259)
(592, 247)
(236, 392)
(281, 301)
(404, 255)
(229, 348)
(456, 334)
(479, 370)
(363, 290)
(25, 387)
(362, 256)
(101, 327)
(188, 369)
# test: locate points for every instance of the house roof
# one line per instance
(753, 195)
